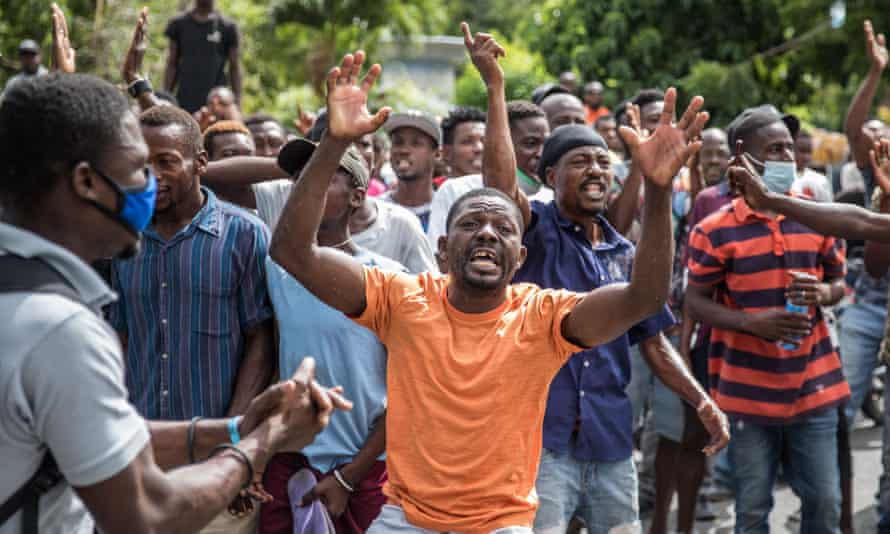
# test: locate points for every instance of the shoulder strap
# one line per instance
(27, 498)
(19, 274)
(33, 275)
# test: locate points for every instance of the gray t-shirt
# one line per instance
(397, 234)
(61, 387)
(271, 197)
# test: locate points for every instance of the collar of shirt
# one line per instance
(530, 182)
(744, 213)
(208, 219)
(88, 284)
(611, 238)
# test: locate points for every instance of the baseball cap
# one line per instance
(753, 119)
(28, 45)
(417, 120)
(543, 91)
(565, 138)
(294, 156)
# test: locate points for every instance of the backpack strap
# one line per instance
(32, 275)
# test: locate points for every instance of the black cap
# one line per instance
(295, 155)
(563, 139)
(753, 119)
(543, 91)
(29, 46)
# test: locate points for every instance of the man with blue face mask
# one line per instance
(776, 373)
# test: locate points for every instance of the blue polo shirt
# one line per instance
(589, 389)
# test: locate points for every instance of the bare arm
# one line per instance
(132, 65)
(143, 499)
(498, 157)
(673, 371)
(294, 244)
(859, 109)
(877, 258)
(232, 177)
(171, 74)
(235, 72)
(257, 366)
(623, 208)
(842, 220)
(607, 312)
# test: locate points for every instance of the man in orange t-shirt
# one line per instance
(471, 356)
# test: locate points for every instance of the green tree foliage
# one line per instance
(713, 47)
(523, 71)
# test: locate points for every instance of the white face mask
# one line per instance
(777, 175)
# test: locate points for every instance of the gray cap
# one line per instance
(295, 155)
(417, 120)
(753, 119)
(29, 45)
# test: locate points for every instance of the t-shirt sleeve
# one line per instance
(232, 35)
(74, 383)
(706, 265)
(383, 291)
(833, 262)
(172, 30)
(253, 296)
(652, 326)
(542, 323)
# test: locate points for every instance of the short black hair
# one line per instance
(621, 112)
(604, 118)
(260, 118)
(518, 110)
(647, 96)
(481, 192)
(456, 116)
(160, 116)
(48, 124)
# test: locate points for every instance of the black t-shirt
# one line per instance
(203, 51)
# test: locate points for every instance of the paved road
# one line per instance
(866, 442)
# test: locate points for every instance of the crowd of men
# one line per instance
(512, 300)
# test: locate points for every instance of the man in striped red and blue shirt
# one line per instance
(782, 402)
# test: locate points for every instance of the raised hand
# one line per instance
(880, 164)
(130, 70)
(661, 154)
(348, 115)
(305, 121)
(63, 53)
(744, 179)
(484, 52)
(875, 47)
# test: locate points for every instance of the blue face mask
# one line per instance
(136, 206)
(777, 175)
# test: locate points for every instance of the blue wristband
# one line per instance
(234, 435)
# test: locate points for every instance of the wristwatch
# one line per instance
(138, 87)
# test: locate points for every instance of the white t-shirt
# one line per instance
(61, 387)
(453, 189)
(814, 185)
(397, 234)
(271, 197)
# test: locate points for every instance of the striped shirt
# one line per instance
(185, 306)
(747, 256)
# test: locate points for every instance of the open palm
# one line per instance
(348, 115)
(661, 154)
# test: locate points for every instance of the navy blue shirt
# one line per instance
(590, 387)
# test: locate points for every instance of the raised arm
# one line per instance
(857, 114)
(498, 157)
(334, 277)
(63, 52)
(827, 218)
(623, 208)
(131, 69)
(607, 312)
